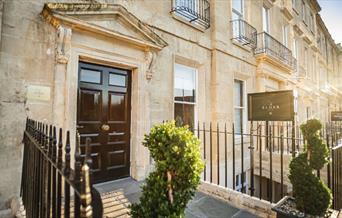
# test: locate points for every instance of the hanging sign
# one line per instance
(271, 106)
(336, 116)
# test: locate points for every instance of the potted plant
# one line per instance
(178, 166)
(312, 197)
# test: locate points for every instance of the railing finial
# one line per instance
(86, 208)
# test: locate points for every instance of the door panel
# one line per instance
(117, 104)
(103, 115)
(91, 104)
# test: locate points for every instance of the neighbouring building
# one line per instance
(112, 68)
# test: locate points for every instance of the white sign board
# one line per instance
(38, 92)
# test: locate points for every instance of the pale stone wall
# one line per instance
(28, 57)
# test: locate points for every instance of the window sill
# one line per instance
(185, 21)
(239, 44)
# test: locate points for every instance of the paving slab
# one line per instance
(118, 195)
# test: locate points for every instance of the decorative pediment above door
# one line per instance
(110, 20)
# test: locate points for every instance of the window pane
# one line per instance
(117, 80)
(265, 19)
(285, 34)
(90, 76)
(185, 83)
(237, 5)
(184, 114)
(238, 120)
(237, 93)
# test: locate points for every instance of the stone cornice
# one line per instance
(66, 14)
(315, 5)
(287, 13)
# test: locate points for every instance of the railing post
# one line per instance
(233, 138)
(54, 173)
(88, 158)
(260, 162)
(49, 153)
(78, 168)
(328, 165)
(225, 156)
(211, 153)
(67, 174)
(59, 177)
(282, 163)
(251, 147)
(218, 154)
(86, 208)
(204, 152)
(242, 161)
(293, 138)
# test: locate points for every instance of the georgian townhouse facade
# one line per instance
(113, 69)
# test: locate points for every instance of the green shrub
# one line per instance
(312, 196)
(178, 166)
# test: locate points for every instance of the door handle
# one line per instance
(105, 127)
(79, 127)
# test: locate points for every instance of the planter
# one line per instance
(286, 208)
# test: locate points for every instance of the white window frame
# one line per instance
(295, 53)
(196, 92)
(312, 21)
(266, 19)
(286, 35)
(239, 186)
(303, 11)
(243, 108)
(240, 15)
(313, 68)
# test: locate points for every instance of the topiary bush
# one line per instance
(178, 166)
(312, 196)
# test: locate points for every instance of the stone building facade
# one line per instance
(128, 64)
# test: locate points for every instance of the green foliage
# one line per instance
(312, 195)
(311, 128)
(175, 150)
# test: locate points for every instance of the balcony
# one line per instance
(244, 33)
(195, 12)
(279, 53)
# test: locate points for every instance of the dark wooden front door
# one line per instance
(103, 115)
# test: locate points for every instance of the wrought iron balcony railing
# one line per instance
(266, 44)
(244, 33)
(195, 11)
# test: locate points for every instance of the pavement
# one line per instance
(118, 195)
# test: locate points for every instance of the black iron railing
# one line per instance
(49, 186)
(234, 160)
(195, 11)
(336, 182)
(266, 44)
(244, 33)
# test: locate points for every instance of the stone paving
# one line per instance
(118, 195)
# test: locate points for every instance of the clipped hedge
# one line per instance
(312, 196)
(178, 166)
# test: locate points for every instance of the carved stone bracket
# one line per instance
(149, 63)
(63, 44)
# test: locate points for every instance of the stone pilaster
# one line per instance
(63, 46)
